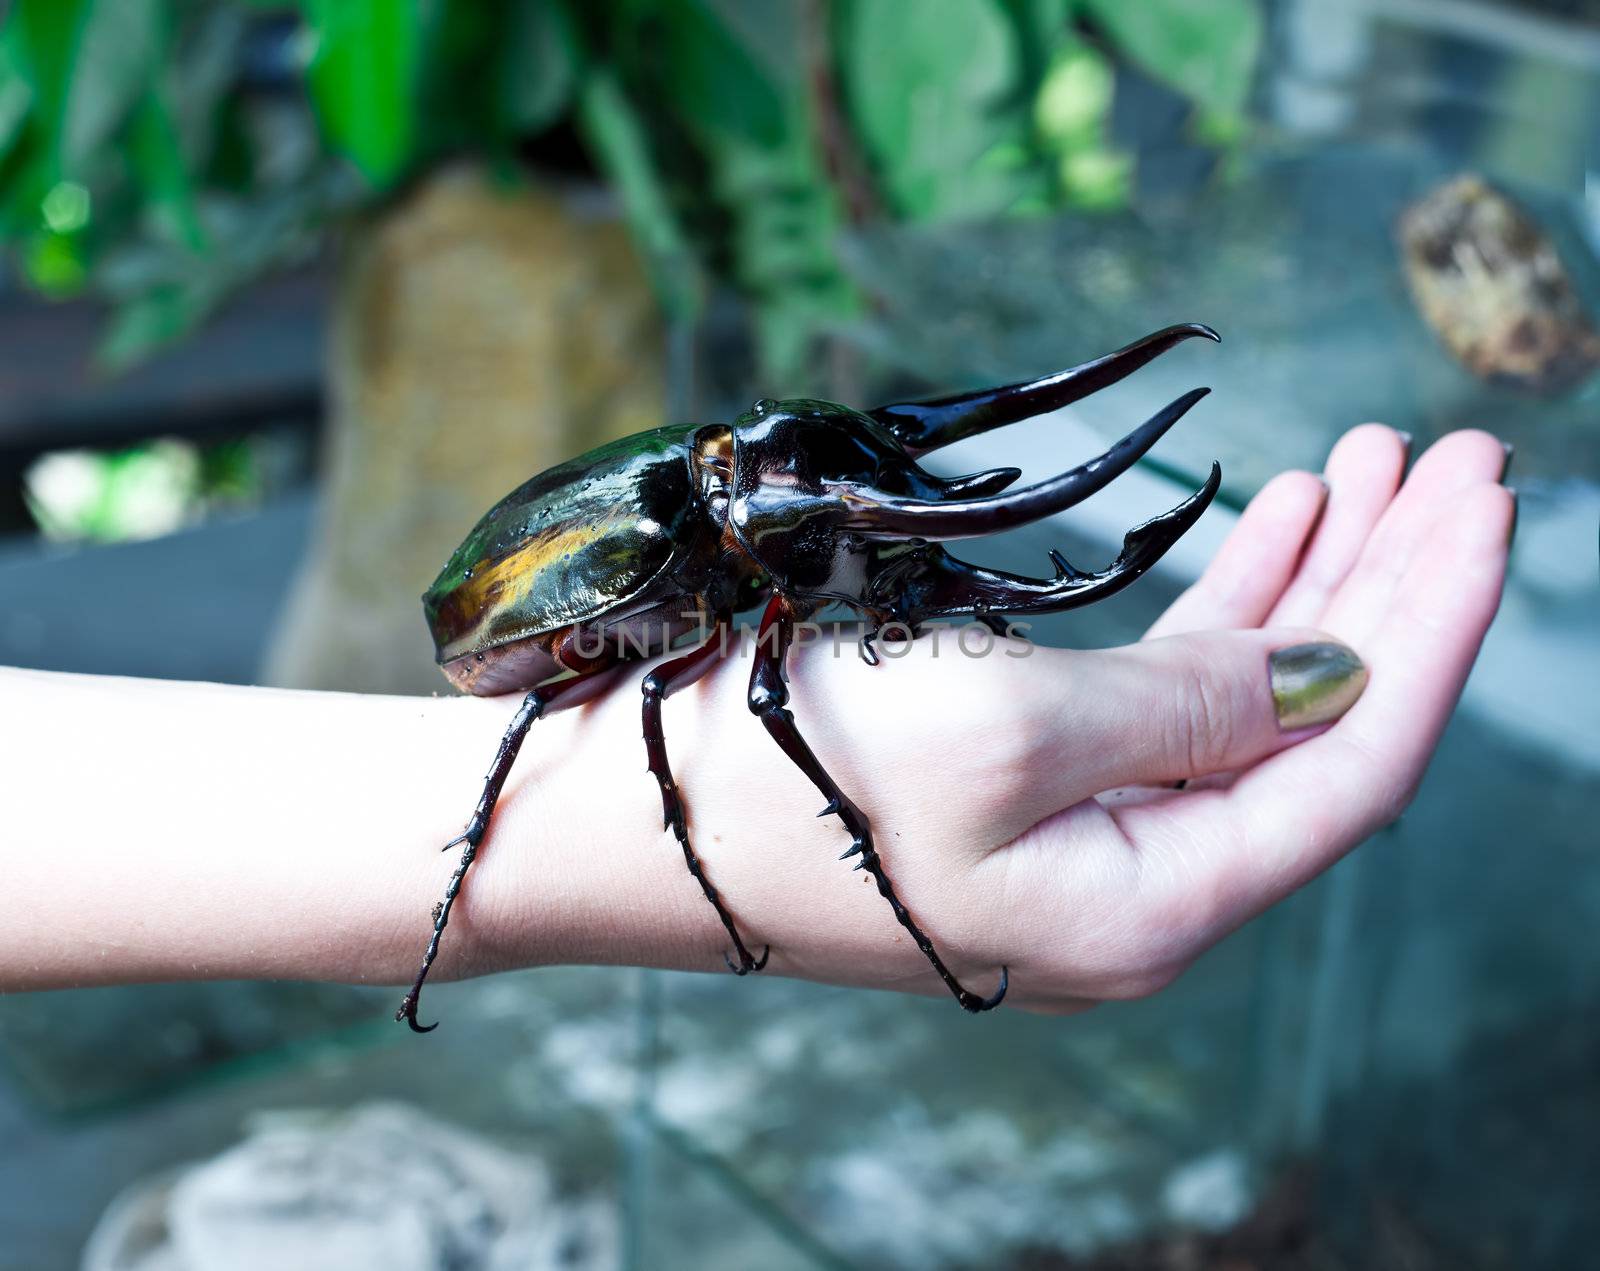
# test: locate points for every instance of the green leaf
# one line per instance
(785, 218)
(54, 264)
(85, 63)
(363, 75)
(539, 64)
(151, 321)
(47, 35)
(118, 58)
(1043, 27)
(159, 162)
(622, 147)
(1074, 101)
(1072, 113)
(938, 95)
(16, 96)
(1205, 49)
(200, 91)
(712, 77)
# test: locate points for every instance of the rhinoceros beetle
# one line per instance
(799, 504)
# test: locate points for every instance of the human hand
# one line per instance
(987, 779)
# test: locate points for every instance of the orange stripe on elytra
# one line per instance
(505, 583)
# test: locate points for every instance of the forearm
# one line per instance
(156, 831)
(152, 830)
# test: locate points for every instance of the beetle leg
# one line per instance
(945, 587)
(769, 697)
(470, 839)
(661, 683)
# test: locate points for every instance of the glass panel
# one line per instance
(1416, 1031)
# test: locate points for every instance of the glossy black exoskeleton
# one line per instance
(799, 504)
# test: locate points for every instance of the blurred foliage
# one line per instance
(161, 152)
(141, 491)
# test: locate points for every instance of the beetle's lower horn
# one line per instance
(879, 515)
(924, 426)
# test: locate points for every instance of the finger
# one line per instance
(1447, 471)
(1289, 818)
(1363, 472)
(1165, 710)
(1255, 564)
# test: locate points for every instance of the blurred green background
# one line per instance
(161, 156)
(294, 292)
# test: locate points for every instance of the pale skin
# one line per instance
(160, 831)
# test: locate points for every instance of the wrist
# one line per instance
(578, 868)
(575, 867)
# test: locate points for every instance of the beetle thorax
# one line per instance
(791, 461)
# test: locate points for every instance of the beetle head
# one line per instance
(796, 463)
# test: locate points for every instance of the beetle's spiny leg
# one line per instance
(769, 697)
(949, 587)
(469, 839)
(533, 705)
(660, 684)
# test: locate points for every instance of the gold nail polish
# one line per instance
(1314, 683)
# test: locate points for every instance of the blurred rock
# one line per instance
(382, 1185)
(1491, 285)
(480, 334)
(1212, 1193)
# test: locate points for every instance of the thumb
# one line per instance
(1186, 706)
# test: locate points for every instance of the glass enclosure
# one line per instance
(1404, 1059)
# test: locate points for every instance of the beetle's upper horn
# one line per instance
(879, 515)
(924, 426)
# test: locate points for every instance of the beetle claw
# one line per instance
(975, 1005)
(746, 963)
(407, 1014)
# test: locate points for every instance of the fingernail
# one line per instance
(1406, 441)
(1506, 466)
(1314, 683)
(1516, 510)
